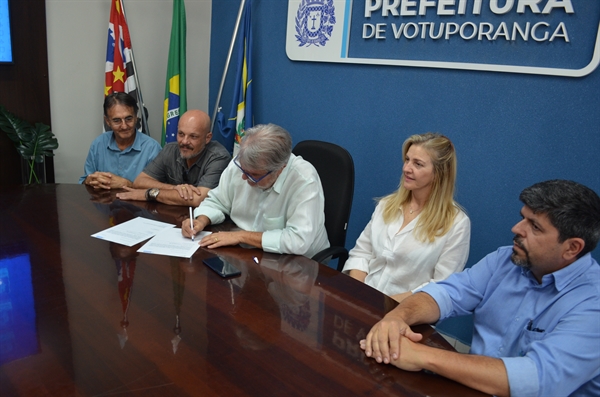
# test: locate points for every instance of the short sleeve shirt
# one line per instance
(105, 156)
(169, 167)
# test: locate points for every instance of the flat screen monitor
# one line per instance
(5, 41)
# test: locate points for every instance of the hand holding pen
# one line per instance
(195, 226)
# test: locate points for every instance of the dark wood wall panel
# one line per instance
(24, 88)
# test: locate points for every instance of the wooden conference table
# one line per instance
(84, 317)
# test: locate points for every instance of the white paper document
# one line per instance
(132, 232)
(172, 243)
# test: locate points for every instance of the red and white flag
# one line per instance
(119, 71)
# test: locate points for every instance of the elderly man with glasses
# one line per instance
(274, 197)
(117, 157)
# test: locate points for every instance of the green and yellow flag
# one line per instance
(175, 92)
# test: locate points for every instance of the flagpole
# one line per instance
(235, 32)
(139, 98)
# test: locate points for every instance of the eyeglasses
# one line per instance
(128, 121)
(255, 180)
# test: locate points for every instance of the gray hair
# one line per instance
(265, 147)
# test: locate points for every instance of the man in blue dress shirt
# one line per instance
(117, 157)
(536, 306)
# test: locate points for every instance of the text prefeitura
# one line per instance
(539, 31)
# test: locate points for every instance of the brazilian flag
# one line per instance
(175, 92)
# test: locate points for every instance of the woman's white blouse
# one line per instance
(396, 262)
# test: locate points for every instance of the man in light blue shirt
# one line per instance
(536, 324)
(117, 157)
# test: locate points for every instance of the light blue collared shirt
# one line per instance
(547, 335)
(105, 156)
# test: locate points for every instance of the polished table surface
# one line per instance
(84, 317)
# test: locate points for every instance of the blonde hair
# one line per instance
(440, 209)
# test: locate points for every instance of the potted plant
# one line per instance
(34, 143)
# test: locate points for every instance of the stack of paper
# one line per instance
(166, 238)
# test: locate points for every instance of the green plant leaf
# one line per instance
(15, 128)
(33, 143)
(46, 141)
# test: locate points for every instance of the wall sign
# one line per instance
(548, 37)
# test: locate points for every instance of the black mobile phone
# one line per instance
(223, 268)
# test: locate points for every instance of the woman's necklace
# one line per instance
(410, 210)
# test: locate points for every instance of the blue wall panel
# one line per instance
(510, 130)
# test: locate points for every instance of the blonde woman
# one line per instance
(417, 234)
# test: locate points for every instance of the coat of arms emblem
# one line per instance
(314, 22)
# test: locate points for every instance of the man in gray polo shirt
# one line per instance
(184, 171)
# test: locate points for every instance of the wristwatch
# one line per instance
(152, 194)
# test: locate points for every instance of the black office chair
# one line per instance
(336, 170)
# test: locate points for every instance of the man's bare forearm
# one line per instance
(225, 239)
(172, 197)
(251, 238)
(419, 308)
(482, 373)
(145, 181)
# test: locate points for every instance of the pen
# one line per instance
(192, 223)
